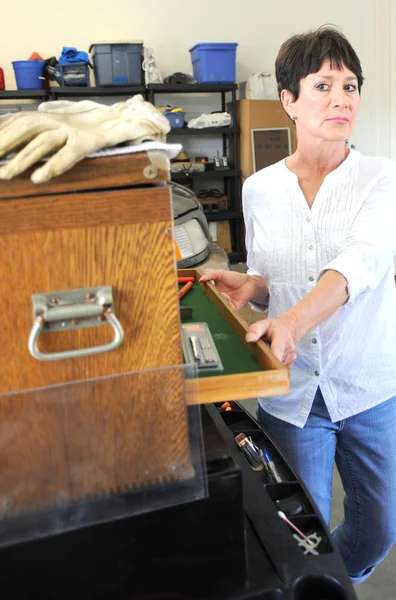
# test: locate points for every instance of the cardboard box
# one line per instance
(261, 114)
(220, 232)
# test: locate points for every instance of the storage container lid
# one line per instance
(115, 43)
(215, 46)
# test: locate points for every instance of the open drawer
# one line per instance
(250, 370)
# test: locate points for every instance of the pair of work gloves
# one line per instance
(70, 131)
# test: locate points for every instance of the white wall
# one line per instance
(383, 122)
(174, 26)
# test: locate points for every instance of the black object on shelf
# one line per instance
(190, 88)
(230, 136)
(208, 174)
(236, 257)
(226, 215)
(205, 131)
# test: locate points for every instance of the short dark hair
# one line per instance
(304, 54)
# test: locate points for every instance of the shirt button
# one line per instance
(314, 341)
(310, 278)
(311, 247)
(308, 219)
(317, 373)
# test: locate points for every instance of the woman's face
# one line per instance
(327, 105)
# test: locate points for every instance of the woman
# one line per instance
(321, 237)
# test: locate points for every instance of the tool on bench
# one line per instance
(185, 289)
(261, 457)
(199, 347)
(267, 472)
(195, 348)
(271, 465)
(251, 451)
(185, 311)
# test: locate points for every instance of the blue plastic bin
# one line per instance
(176, 119)
(214, 63)
(28, 73)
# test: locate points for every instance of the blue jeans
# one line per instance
(364, 450)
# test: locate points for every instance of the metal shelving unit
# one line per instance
(206, 131)
(43, 94)
(57, 92)
(207, 174)
(230, 136)
(227, 215)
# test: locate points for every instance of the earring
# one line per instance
(293, 118)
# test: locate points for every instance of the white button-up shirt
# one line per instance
(351, 228)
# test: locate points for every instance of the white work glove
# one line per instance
(72, 130)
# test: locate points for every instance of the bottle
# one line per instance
(2, 82)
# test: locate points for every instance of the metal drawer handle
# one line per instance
(73, 309)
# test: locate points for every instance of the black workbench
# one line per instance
(231, 545)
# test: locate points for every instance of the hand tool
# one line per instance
(274, 471)
(267, 472)
(185, 289)
(195, 349)
(203, 344)
(250, 450)
(206, 349)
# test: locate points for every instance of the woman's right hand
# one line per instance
(237, 288)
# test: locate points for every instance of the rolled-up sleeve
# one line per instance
(370, 247)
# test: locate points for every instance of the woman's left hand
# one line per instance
(280, 333)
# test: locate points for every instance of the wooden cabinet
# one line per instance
(93, 425)
(80, 427)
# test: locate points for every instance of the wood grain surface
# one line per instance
(92, 439)
(240, 386)
(121, 238)
(90, 174)
(274, 379)
(95, 425)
